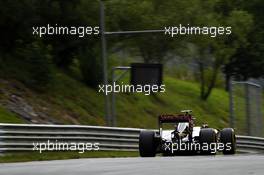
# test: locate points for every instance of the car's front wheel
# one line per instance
(228, 138)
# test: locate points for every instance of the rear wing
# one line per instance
(175, 118)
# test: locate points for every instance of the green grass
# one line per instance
(69, 101)
(8, 117)
(139, 110)
(29, 156)
(179, 95)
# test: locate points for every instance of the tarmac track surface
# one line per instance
(244, 164)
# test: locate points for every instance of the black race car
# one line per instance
(178, 135)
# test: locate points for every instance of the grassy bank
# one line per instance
(69, 101)
(8, 117)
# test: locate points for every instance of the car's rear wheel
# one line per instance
(207, 141)
(147, 144)
(228, 138)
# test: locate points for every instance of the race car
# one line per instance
(178, 134)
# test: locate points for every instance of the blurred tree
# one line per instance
(209, 53)
(144, 15)
(18, 17)
(212, 53)
(248, 60)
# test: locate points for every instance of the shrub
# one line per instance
(30, 64)
(90, 67)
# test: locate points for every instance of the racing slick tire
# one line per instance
(208, 136)
(147, 144)
(228, 138)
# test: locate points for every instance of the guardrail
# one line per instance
(20, 137)
(250, 144)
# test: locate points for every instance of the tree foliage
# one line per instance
(240, 53)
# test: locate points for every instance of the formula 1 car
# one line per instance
(185, 138)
